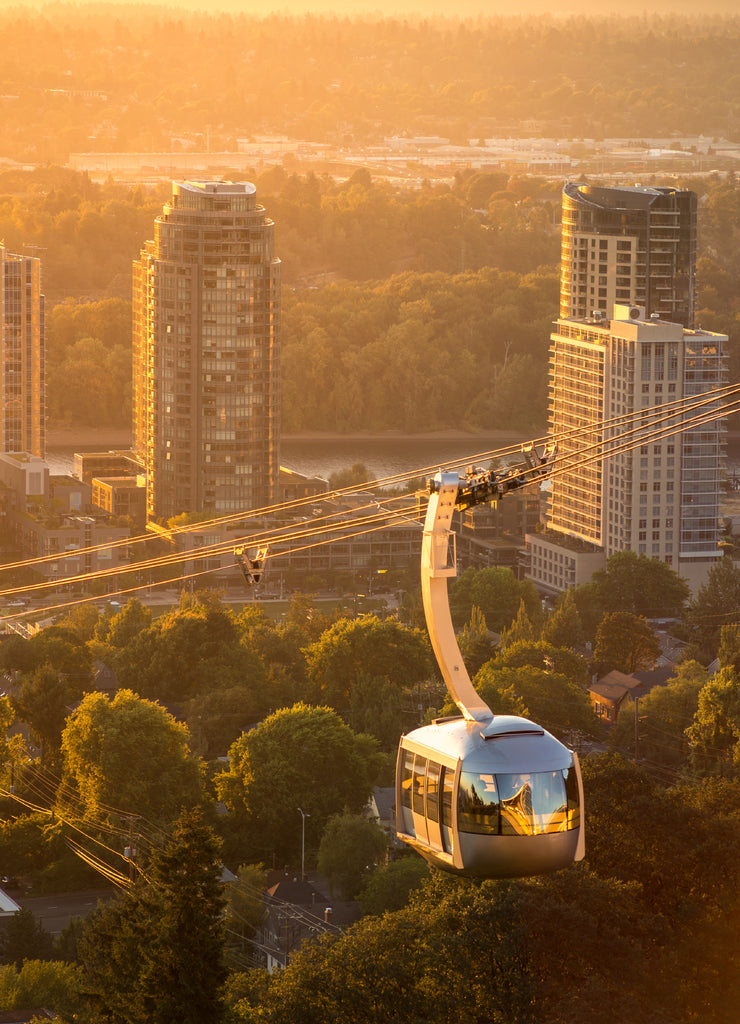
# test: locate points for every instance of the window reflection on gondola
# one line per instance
(407, 773)
(420, 769)
(477, 804)
(518, 804)
(433, 791)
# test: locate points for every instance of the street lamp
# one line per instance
(303, 841)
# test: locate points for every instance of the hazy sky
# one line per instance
(451, 8)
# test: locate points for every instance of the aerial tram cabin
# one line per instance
(484, 795)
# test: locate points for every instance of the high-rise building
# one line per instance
(661, 498)
(632, 245)
(23, 419)
(206, 314)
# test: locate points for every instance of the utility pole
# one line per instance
(129, 851)
(303, 842)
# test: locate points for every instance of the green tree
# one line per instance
(520, 631)
(562, 628)
(23, 938)
(26, 842)
(245, 907)
(122, 628)
(496, 592)
(185, 653)
(297, 757)
(380, 708)
(637, 833)
(714, 734)
(156, 955)
(67, 653)
(547, 697)
(350, 848)
(625, 642)
(728, 653)
(714, 606)
(665, 713)
(47, 983)
(541, 654)
(82, 620)
(389, 887)
(43, 703)
(640, 585)
(351, 476)
(475, 642)
(130, 754)
(369, 647)
(217, 718)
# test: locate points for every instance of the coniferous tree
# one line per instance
(156, 955)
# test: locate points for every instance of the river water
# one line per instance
(382, 456)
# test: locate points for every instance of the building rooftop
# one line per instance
(218, 187)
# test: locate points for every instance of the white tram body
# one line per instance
(485, 795)
(499, 801)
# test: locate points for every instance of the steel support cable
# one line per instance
(666, 431)
(55, 785)
(661, 421)
(187, 576)
(361, 488)
(606, 448)
(201, 553)
(350, 489)
(153, 562)
(536, 472)
(208, 551)
(236, 517)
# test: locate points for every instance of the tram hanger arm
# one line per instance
(439, 562)
(253, 566)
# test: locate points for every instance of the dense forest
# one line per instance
(403, 309)
(643, 929)
(391, 297)
(91, 77)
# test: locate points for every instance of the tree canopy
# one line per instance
(127, 755)
(367, 646)
(297, 757)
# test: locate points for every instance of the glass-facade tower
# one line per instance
(629, 245)
(206, 347)
(23, 420)
(661, 497)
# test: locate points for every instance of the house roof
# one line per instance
(8, 906)
(384, 798)
(655, 677)
(616, 685)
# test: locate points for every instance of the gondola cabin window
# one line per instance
(518, 804)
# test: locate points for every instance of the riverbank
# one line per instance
(109, 437)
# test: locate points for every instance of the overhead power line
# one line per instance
(645, 426)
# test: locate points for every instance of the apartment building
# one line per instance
(628, 245)
(659, 498)
(206, 339)
(23, 415)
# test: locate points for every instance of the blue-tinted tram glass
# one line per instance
(420, 770)
(448, 784)
(573, 798)
(433, 773)
(407, 772)
(533, 803)
(518, 805)
(477, 804)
